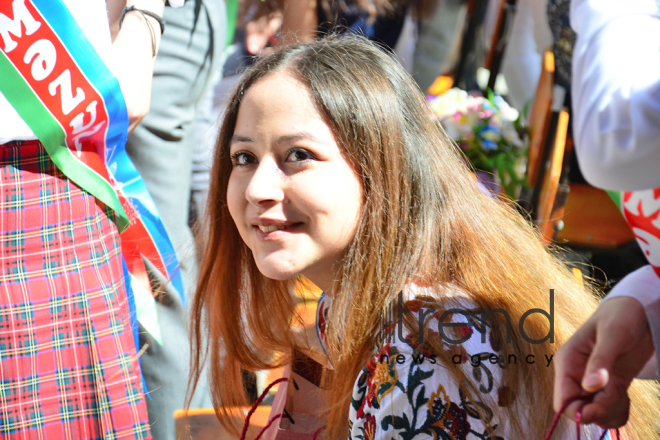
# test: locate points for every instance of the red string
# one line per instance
(256, 403)
(578, 418)
(270, 422)
(555, 421)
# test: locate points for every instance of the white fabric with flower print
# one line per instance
(404, 392)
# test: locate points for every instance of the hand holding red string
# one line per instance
(583, 401)
(602, 359)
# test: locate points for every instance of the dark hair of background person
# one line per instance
(421, 8)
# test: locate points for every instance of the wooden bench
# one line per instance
(202, 424)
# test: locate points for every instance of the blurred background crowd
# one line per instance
(499, 76)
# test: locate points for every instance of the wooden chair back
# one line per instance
(539, 117)
(576, 214)
(549, 212)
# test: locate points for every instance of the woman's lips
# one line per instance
(273, 232)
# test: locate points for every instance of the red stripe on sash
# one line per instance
(134, 245)
(56, 79)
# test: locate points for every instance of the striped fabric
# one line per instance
(68, 366)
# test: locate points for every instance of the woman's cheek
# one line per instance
(235, 200)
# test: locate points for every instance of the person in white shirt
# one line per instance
(616, 92)
(616, 106)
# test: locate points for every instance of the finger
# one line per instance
(274, 25)
(256, 35)
(596, 381)
(568, 389)
(570, 364)
(254, 42)
(610, 408)
(610, 345)
(571, 410)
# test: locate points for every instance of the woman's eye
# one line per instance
(242, 158)
(298, 155)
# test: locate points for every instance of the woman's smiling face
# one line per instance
(294, 198)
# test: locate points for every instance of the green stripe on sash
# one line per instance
(51, 135)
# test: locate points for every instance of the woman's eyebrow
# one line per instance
(238, 138)
(299, 136)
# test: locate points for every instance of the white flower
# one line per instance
(511, 135)
(453, 130)
(449, 103)
(507, 112)
(520, 167)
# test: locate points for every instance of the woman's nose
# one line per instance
(266, 184)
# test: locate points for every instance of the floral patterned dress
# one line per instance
(404, 392)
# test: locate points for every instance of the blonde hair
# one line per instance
(423, 218)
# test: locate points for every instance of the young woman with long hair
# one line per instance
(329, 166)
(69, 364)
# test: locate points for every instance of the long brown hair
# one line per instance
(423, 218)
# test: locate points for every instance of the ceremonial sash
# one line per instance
(642, 212)
(51, 74)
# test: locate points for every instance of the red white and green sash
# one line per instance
(642, 212)
(51, 74)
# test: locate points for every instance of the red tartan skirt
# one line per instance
(68, 365)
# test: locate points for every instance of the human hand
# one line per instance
(259, 32)
(602, 358)
(132, 54)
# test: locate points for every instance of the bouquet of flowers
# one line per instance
(489, 132)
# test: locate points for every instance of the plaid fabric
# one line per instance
(68, 366)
